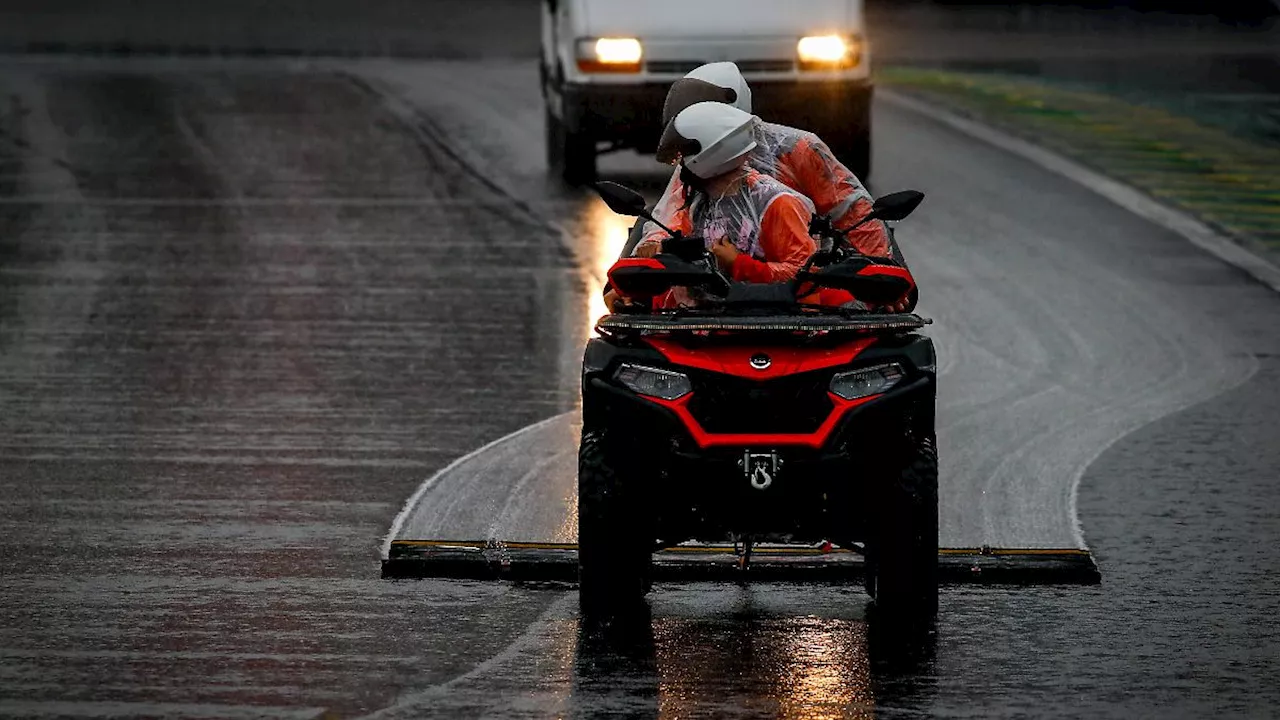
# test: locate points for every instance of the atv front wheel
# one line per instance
(615, 551)
(902, 550)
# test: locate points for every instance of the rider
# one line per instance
(757, 228)
(797, 158)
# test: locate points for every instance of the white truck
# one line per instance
(606, 66)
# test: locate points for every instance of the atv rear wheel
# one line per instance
(615, 548)
(902, 550)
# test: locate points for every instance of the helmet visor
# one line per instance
(690, 91)
(674, 146)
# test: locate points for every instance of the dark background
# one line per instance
(463, 28)
(1242, 10)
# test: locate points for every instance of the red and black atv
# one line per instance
(757, 418)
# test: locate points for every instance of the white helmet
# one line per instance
(709, 138)
(713, 82)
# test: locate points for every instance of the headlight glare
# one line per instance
(867, 381)
(818, 52)
(618, 50)
(611, 54)
(653, 382)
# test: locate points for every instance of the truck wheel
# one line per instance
(853, 148)
(902, 550)
(855, 151)
(860, 156)
(571, 156)
(615, 551)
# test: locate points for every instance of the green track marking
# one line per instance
(1157, 183)
(1228, 181)
(1250, 225)
(1190, 195)
(1261, 212)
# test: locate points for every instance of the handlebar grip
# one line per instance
(689, 249)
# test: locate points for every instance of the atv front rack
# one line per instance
(825, 322)
(558, 562)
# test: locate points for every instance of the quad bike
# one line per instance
(756, 417)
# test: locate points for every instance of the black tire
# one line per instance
(570, 156)
(615, 548)
(902, 550)
(854, 150)
(850, 142)
(898, 645)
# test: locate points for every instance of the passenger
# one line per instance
(797, 158)
(757, 228)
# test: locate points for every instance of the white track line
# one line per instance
(426, 484)
(508, 509)
(1126, 196)
(1119, 193)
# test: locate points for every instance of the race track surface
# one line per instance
(248, 308)
(1054, 336)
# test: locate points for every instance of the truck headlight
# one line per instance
(866, 381)
(615, 55)
(827, 52)
(653, 382)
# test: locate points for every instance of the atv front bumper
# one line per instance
(778, 487)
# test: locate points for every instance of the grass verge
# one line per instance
(1228, 182)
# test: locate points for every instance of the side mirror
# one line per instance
(896, 206)
(621, 199)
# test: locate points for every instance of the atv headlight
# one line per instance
(866, 381)
(653, 382)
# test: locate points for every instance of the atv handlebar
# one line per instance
(842, 265)
(689, 249)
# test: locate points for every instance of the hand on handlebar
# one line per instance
(613, 302)
(725, 252)
(647, 249)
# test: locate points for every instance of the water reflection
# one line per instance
(608, 234)
(751, 652)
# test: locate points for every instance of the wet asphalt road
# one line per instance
(243, 312)
(1024, 300)
(246, 308)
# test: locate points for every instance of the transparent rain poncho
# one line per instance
(802, 162)
(765, 220)
(739, 216)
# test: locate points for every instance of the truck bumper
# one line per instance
(627, 114)
(820, 107)
(631, 115)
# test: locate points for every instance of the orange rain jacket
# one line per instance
(801, 161)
